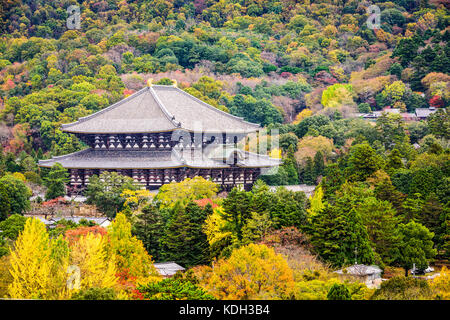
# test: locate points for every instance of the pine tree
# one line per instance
(199, 246)
(56, 182)
(40, 154)
(149, 229)
(382, 227)
(184, 240)
(176, 237)
(319, 164)
(308, 173)
(363, 161)
(238, 205)
(416, 246)
(338, 230)
(395, 159)
(434, 216)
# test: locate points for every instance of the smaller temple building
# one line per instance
(159, 135)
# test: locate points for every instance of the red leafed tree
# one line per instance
(436, 102)
(73, 235)
(286, 74)
(56, 201)
(199, 5)
(20, 133)
(127, 92)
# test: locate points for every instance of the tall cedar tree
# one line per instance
(363, 161)
(308, 172)
(149, 229)
(319, 165)
(184, 240)
(382, 227)
(238, 206)
(339, 235)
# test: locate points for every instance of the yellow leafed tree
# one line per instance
(316, 202)
(214, 227)
(34, 265)
(185, 191)
(251, 272)
(129, 251)
(305, 113)
(97, 267)
(441, 284)
(136, 198)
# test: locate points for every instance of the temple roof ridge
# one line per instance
(159, 108)
(207, 105)
(113, 106)
(170, 116)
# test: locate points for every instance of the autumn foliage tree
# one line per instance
(185, 191)
(131, 256)
(97, 267)
(34, 266)
(251, 272)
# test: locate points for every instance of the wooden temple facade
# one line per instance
(160, 135)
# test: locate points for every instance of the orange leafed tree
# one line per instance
(73, 235)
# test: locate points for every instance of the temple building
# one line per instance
(162, 134)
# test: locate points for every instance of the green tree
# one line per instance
(56, 181)
(256, 227)
(178, 287)
(339, 292)
(416, 246)
(105, 191)
(439, 123)
(382, 227)
(394, 160)
(287, 140)
(435, 217)
(148, 227)
(13, 226)
(363, 161)
(238, 206)
(401, 288)
(338, 233)
(308, 172)
(184, 240)
(391, 129)
(319, 165)
(14, 196)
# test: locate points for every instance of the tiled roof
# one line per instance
(168, 268)
(424, 112)
(360, 270)
(158, 109)
(139, 159)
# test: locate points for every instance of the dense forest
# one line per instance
(309, 70)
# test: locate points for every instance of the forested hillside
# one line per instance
(313, 70)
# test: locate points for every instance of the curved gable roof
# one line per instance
(158, 109)
(195, 114)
